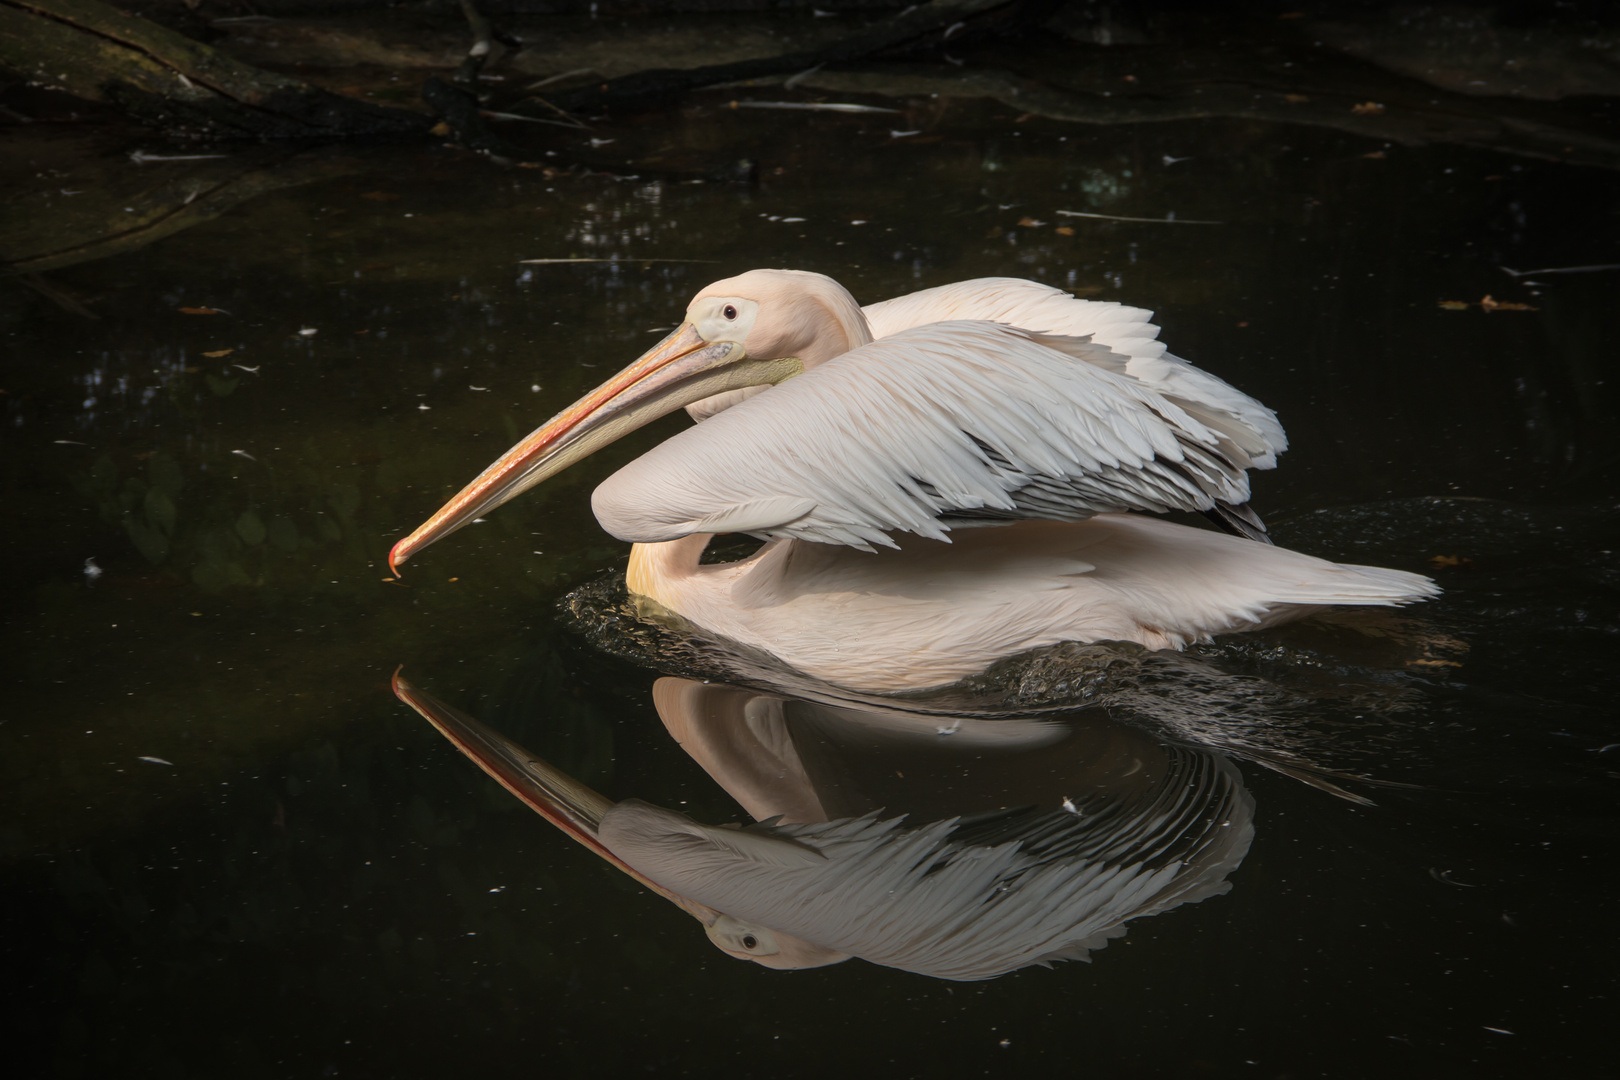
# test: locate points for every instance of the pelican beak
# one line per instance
(545, 789)
(679, 370)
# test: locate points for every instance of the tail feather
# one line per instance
(1239, 520)
(1362, 585)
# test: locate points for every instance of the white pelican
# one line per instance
(1040, 844)
(979, 403)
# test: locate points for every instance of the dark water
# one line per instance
(313, 882)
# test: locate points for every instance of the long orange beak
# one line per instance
(679, 370)
(550, 792)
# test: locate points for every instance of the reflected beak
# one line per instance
(679, 370)
(550, 792)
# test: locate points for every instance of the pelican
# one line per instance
(1014, 843)
(869, 447)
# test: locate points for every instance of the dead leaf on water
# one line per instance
(1029, 223)
(1063, 230)
(217, 353)
(1295, 98)
(201, 311)
(1487, 304)
(1367, 108)
(1448, 562)
(1376, 155)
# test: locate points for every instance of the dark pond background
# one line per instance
(313, 882)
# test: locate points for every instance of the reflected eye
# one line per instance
(749, 941)
(731, 313)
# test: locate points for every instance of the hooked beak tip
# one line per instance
(396, 557)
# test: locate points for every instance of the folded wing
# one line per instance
(928, 429)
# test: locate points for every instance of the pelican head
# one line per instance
(762, 945)
(740, 335)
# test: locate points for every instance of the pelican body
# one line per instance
(926, 614)
(873, 447)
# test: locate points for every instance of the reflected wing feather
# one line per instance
(930, 900)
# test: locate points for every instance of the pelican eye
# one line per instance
(749, 941)
(730, 312)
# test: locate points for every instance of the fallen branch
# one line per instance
(1453, 119)
(98, 53)
(121, 213)
(907, 27)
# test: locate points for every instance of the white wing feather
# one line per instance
(930, 428)
(1125, 331)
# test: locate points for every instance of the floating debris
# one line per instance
(141, 157)
(794, 80)
(548, 80)
(1560, 270)
(813, 106)
(1444, 877)
(1168, 219)
(490, 114)
(1486, 304)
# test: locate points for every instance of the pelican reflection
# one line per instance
(960, 849)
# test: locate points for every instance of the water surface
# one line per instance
(309, 880)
